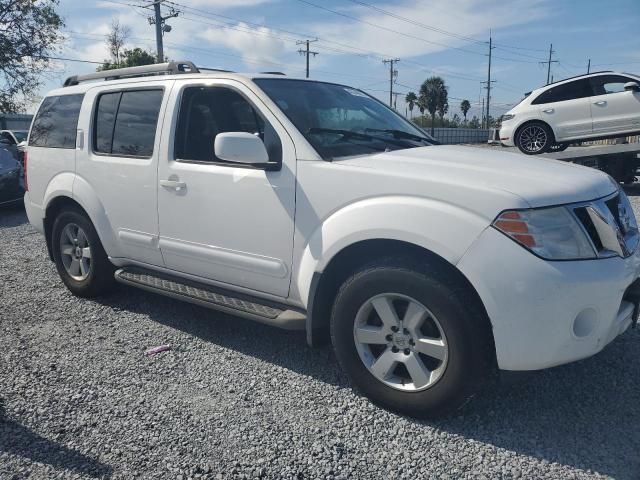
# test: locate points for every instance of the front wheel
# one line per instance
(79, 256)
(534, 138)
(411, 340)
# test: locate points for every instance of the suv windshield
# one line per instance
(340, 121)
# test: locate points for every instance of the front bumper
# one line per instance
(547, 313)
(506, 134)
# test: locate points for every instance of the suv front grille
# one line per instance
(610, 225)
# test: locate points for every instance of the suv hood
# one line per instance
(538, 181)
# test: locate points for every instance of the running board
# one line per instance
(211, 297)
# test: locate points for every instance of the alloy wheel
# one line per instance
(400, 342)
(533, 138)
(75, 252)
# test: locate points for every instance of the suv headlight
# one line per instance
(551, 233)
(507, 116)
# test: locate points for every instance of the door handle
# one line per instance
(548, 110)
(600, 103)
(177, 186)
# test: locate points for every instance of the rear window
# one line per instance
(125, 123)
(566, 91)
(56, 123)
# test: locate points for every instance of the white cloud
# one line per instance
(254, 45)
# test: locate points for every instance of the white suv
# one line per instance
(311, 205)
(587, 107)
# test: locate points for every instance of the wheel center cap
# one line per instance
(401, 340)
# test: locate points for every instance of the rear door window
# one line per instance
(567, 91)
(56, 123)
(126, 123)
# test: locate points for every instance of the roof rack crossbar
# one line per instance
(169, 68)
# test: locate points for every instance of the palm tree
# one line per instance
(434, 96)
(442, 109)
(411, 100)
(465, 106)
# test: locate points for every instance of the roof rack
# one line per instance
(208, 69)
(273, 73)
(169, 68)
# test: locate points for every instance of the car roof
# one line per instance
(577, 77)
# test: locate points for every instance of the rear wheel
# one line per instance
(534, 138)
(410, 340)
(79, 256)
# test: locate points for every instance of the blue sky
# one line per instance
(444, 37)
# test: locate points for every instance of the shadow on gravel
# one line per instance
(13, 216)
(585, 414)
(574, 415)
(16, 439)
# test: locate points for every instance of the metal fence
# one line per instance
(460, 135)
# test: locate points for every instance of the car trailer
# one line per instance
(620, 161)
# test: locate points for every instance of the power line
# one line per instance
(549, 62)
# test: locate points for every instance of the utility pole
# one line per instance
(489, 81)
(549, 62)
(482, 115)
(589, 66)
(307, 52)
(392, 75)
(161, 27)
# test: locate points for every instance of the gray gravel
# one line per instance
(235, 399)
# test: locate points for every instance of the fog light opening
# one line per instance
(585, 323)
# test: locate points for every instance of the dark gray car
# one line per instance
(11, 178)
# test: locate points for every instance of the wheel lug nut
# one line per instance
(389, 337)
(394, 329)
(394, 349)
(405, 331)
(407, 351)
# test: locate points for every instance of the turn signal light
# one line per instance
(512, 224)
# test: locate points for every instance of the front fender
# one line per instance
(442, 228)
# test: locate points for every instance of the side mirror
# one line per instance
(632, 87)
(240, 147)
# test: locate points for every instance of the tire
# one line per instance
(461, 328)
(534, 138)
(558, 147)
(84, 268)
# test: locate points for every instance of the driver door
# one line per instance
(226, 222)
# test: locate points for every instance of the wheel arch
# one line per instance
(325, 285)
(529, 122)
(93, 210)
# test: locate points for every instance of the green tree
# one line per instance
(29, 34)
(442, 109)
(465, 106)
(130, 58)
(411, 100)
(474, 123)
(434, 96)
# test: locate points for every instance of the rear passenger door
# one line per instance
(120, 163)
(567, 108)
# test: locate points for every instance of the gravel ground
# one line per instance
(235, 399)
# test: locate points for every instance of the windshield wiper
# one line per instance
(364, 136)
(401, 134)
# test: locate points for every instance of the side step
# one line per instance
(212, 297)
